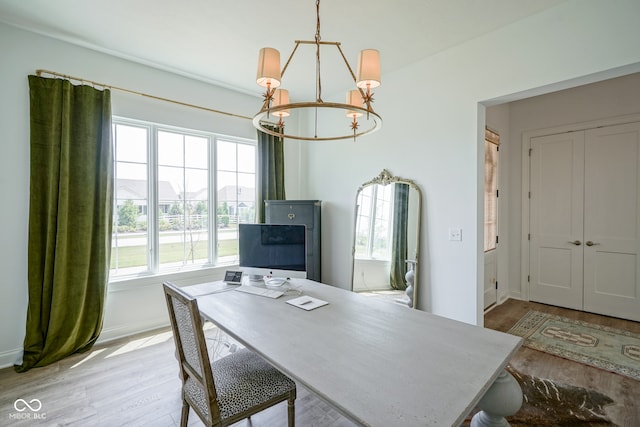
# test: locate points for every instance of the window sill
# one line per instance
(183, 277)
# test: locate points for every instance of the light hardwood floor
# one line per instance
(134, 382)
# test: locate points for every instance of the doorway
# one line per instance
(584, 219)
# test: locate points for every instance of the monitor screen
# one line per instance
(273, 250)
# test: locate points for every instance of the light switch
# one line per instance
(455, 234)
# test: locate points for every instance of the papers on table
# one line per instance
(307, 302)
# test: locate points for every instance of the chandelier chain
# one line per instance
(318, 38)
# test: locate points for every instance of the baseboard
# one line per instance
(9, 358)
(110, 334)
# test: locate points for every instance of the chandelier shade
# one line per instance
(358, 104)
(268, 68)
(368, 69)
(354, 98)
(281, 97)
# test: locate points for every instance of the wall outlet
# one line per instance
(455, 234)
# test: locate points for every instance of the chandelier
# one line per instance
(358, 105)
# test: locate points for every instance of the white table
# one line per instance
(379, 364)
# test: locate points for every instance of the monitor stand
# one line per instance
(258, 280)
(275, 281)
(255, 280)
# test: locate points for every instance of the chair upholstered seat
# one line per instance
(236, 378)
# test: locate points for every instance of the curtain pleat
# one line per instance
(70, 219)
(271, 172)
(399, 240)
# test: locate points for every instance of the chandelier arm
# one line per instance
(344, 58)
(290, 57)
(314, 42)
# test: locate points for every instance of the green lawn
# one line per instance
(135, 256)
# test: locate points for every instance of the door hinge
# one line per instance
(529, 236)
(529, 194)
(497, 193)
(496, 285)
(528, 278)
(530, 150)
(497, 240)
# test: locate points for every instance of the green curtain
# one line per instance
(70, 219)
(271, 179)
(399, 240)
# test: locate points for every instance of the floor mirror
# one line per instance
(386, 239)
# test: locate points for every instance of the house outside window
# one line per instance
(167, 182)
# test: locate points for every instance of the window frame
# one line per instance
(153, 266)
(372, 216)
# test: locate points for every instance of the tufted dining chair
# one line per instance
(229, 389)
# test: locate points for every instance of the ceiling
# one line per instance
(218, 42)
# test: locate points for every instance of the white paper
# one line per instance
(307, 302)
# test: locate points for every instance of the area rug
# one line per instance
(603, 347)
(551, 403)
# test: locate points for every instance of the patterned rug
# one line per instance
(606, 348)
(551, 403)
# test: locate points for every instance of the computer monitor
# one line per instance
(272, 250)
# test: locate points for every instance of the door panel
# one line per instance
(612, 221)
(557, 202)
(490, 277)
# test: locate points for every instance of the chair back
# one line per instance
(198, 385)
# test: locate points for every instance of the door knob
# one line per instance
(590, 243)
(576, 242)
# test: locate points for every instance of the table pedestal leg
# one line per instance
(503, 398)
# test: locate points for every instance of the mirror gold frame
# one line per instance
(385, 178)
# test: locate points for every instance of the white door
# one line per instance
(491, 160)
(490, 278)
(556, 227)
(612, 221)
(585, 220)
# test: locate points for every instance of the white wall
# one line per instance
(433, 133)
(371, 275)
(134, 305)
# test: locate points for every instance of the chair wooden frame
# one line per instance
(196, 368)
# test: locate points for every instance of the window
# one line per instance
(167, 181)
(491, 147)
(373, 225)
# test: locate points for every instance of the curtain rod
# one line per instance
(159, 98)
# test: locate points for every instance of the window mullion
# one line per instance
(153, 229)
(213, 202)
(372, 221)
(186, 238)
